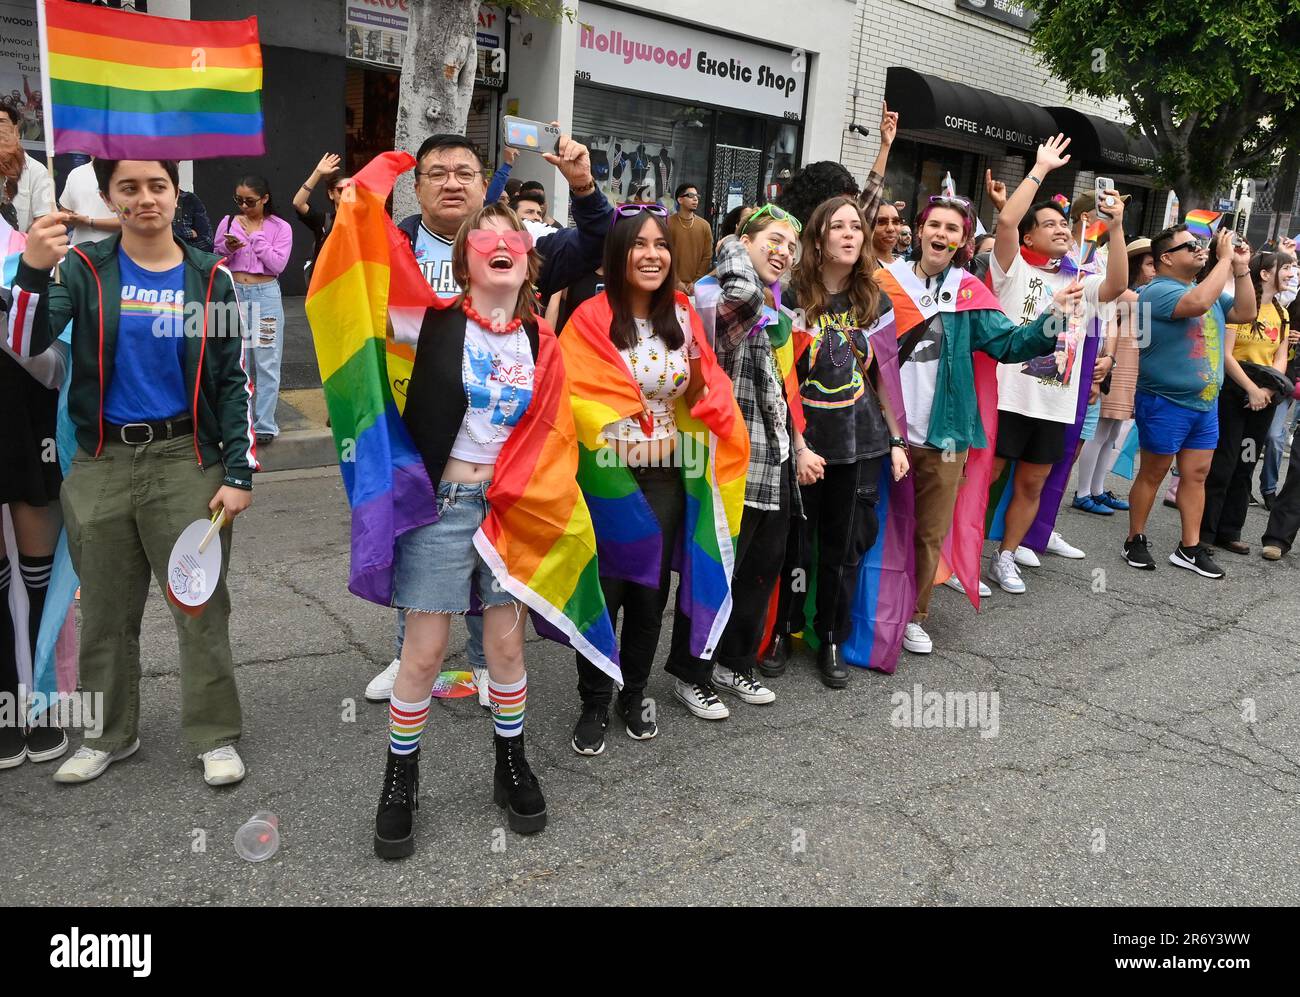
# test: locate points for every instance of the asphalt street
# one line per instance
(1147, 752)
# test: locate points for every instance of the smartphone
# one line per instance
(529, 135)
(1103, 184)
(1244, 191)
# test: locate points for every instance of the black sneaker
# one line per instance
(589, 733)
(1137, 552)
(400, 798)
(637, 713)
(13, 742)
(1196, 559)
(46, 743)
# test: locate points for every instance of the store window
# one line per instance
(643, 144)
(916, 171)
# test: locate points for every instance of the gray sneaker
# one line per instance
(1006, 573)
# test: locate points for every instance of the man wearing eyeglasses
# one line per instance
(450, 186)
(1180, 372)
(692, 239)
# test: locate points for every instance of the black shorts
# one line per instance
(1035, 441)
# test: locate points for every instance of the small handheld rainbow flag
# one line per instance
(126, 86)
(1202, 223)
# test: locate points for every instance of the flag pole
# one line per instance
(47, 108)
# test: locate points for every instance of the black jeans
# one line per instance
(1242, 436)
(643, 608)
(1284, 519)
(841, 525)
(760, 550)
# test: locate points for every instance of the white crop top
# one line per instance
(497, 375)
(663, 375)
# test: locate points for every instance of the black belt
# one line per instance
(139, 434)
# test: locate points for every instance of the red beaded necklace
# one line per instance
(486, 324)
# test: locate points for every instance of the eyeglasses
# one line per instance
(438, 176)
(692, 194)
(895, 221)
(484, 241)
(632, 210)
(772, 211)
(247, 202)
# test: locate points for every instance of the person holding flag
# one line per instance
(946, 319)
(663, 456)
(1042, 403)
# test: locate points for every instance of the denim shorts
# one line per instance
(1165, 427)
(436, 567)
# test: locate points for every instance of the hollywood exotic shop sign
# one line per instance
(656, 57)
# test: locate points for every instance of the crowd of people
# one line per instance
(865, 392)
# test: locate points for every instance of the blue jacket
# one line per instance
(567, 254)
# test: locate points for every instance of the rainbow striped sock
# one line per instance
(507, 702)
(406, 724)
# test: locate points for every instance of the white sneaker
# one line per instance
(88, 764)
(481, 684)
(749, 689)
(700, 700)
(380, 689)
(954, 583)
(916, 640)
(222, 766)
(1026, 558)
(1004, 570)
(1057, 545)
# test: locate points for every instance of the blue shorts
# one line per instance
(1165, 427)
(1089, 428)
(436, 567)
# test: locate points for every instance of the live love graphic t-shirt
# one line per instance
(845, 423)
(1182, 359)
(1046, 387)
(433, 253)
(148, 382)
(497, 374)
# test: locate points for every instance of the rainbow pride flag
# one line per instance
(133, 86)
(537, 538)
(712, 452)
(1202, 223)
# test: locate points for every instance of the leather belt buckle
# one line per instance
(126, 437)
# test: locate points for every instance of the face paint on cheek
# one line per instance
(122, 210)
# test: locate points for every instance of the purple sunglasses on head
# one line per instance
(632, 210)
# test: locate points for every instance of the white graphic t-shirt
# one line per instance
(497, 375)
(1046, 387)
(433, 253)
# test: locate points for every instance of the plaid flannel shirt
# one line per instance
(751, 365)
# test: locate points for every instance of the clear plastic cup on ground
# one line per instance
(259, 838)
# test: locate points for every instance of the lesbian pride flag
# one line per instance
(131, 86)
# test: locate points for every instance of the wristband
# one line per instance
(897, 441)
(306, 188)
(1035, 179)
(584, 190)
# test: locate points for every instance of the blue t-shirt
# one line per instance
(433, 253)
(1181, 359)
(148, 381)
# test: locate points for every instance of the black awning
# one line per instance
(1097, 144)
(928, 102)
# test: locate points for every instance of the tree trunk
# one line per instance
(437, 84)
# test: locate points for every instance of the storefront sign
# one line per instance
(655, 57)
(1006, 11)
(376, 33)
(20, 70)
